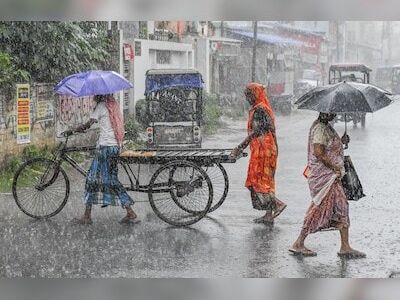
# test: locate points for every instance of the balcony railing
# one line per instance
(163, 35)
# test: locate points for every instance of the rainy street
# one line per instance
(226, 243)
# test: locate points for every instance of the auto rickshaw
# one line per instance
(173, 108)
(350, 72)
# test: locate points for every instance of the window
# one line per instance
(163, 57)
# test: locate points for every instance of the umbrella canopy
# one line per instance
(92, 83)
(345, 97)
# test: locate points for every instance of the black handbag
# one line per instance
(351, 184)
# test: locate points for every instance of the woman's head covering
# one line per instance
(116, 118)
(260, 97)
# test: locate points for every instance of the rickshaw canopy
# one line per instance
(350, 68)
(160, 79)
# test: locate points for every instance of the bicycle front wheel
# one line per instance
(40, 188)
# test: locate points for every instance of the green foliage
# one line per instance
(12, 163)
(79, 157)
(133, 129)
(49, 51)
(132, 145)
(141, 116)
(212, 113)
(10, 74)
(30, 152)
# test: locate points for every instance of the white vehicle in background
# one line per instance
(310, 79)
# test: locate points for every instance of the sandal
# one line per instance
(305, 252)
(352, 254)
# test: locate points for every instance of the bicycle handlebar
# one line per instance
(68, 133)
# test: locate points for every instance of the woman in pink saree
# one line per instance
(329, 207)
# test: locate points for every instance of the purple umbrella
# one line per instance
(92, 83)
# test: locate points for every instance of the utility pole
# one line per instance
(382, 41)
(344, 42)
(253, 64)
(386, 51)
(337, 41)
(389, 38)
(116, 60)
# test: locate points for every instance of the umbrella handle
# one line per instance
(346, 145)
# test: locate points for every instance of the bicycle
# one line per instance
(180, 191)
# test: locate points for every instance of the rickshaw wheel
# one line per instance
(180, 193)
(220, 182)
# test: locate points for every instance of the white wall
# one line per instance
(202, 59)
(181, 58)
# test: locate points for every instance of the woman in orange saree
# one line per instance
(264, 153)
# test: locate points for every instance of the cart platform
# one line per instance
(155, 156)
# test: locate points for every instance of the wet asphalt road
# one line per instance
(227, 243)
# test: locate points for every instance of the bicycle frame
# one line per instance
(64, 156)
(61, 154)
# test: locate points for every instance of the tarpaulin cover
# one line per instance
(159, 82)
(270, 38)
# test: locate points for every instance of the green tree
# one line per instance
(49, 51)
(10, 74)
(212, 113)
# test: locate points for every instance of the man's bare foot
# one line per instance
(82, 221)
(130, 213)
(351, 253)
(129, 220)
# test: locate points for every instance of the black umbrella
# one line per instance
(345, 97)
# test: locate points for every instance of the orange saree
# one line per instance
(263, 149)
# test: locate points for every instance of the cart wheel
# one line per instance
(220, 183)
(180, 193)
(40, 188)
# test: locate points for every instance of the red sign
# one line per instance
(128, 52)
(276, 88)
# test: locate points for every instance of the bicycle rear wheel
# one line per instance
(40, 188)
